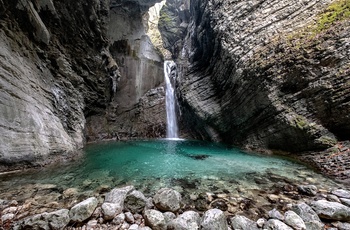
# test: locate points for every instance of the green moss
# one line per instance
(301, 122)
(327, 141)
(337, 11)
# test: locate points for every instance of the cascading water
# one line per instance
(169, 75)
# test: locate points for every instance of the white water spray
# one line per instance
(170, 74)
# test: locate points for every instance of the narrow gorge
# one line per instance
(250, 77)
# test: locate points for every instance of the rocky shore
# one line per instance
(303, 207)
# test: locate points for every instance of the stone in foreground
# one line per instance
(331, 210)
(155, 219)
(214, 219)
(243, 223)
(167, 199)
(187, 220)
(83, 210)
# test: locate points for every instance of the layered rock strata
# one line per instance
(263, 75)
(71, 72)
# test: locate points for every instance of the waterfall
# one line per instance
(170, 74)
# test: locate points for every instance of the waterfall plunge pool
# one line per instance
(187, 166)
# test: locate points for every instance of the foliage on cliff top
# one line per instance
(337, 11)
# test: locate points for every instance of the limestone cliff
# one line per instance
(266, 74)
(71, 71)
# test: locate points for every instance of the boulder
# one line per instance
(309, 216)
(167, 199)
(118, 195)
(341, 193)
(110, 210)
(214, 219)
(154, 219)
(293, 220)
(83, 210)
(310, 190)
(331, 210)
(274, 214)
(274, 224)
(135, 201)
(243, 223)
(187, 220)
(54, 220)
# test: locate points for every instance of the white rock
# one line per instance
(214, 219)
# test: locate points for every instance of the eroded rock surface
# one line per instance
(250, 76)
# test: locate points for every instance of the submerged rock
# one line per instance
(310, 190)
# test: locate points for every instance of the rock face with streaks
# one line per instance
(69, 67)
(265, 74)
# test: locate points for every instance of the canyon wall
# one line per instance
(58, 66)
(265, 74)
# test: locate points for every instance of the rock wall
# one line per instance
(262, 75)
(56, 62)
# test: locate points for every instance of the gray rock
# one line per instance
(134, 227)
(129, 217)
(345, 201)
(167, 199)
(154, 219)
(169, 216)
(342, 226)
(341, 193)
(118, 195)
(243, 223)
(275, 214)
(274, 224)
(260, 222)
(54, 220)
(214, 219)
(333, 198)
(309, 216)
(135, 202)
(7, 217)
(83, 210)
(119, 219)
(110, 210)
(293, 220)
(187, 220)
(310, 190)
(331, 210)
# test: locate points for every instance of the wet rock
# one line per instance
(309, 216)
(310, 190)
(341, 193)
(154, 219)
(135, 201)
(293, 220)
(274, 224)
(167, 200)
(187, 220)
(331, 210)
(243, 223)
(219, 204)
(110, 210)
(199, 157)
(274, 214)
(214, 219)
(83, 210)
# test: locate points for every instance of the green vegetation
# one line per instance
(337, 11)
